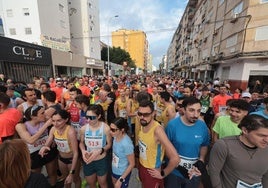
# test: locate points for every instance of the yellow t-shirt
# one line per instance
(165, 117)
(121, 108)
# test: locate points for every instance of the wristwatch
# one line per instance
(162, 173)
(121, 179)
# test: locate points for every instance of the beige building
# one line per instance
(135, 43)
(222, 38)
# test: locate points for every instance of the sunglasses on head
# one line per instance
(91, 117)
(113, 130)
(144, 114)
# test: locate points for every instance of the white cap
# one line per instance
(246, 94)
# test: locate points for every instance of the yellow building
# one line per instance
(135, 43)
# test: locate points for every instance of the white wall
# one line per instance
(85, 15)
(19, 21)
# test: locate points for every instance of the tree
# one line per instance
(118, 56)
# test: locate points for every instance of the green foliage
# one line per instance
(118, 56)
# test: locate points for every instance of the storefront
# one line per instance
(22, 61)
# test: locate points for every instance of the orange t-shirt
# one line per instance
(8, 121)
(85, 90)
(219, 103)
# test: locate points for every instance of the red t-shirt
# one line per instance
(8, 122)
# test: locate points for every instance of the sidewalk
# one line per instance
(134, 181)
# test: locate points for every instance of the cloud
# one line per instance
(157, 18)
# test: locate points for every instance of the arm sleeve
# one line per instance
(217, 159)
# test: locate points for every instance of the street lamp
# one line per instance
(108, 46)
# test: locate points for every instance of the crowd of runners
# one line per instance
(177, 132)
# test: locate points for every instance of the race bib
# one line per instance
(93, 144)
(187, 162)
(143, 149)
(63, 146)
(241, 184)
(38, 144)
(123, 113)
(115, 160)
(204, 109)
(222, 108)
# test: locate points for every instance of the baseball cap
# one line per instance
(58, 80)
(246, 94)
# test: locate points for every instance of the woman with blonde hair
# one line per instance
(15, 167)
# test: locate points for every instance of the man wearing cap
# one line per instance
(247, 97)
(263, 113)
(228, 125)
(95, 96)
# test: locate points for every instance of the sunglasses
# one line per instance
(91, 117)
(113, 130)
(144, 114)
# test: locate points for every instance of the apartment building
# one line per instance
(70, 26)
(135, 43)
(222, 38)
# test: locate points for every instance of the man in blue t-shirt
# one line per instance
(190, 137)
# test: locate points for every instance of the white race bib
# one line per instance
(204, 109)
(93, 144)
(115, 160)
(63, 146)
(143, 149)
(187, 162)
(123, 113)
(222, 108)
(38, 144)
(241, 184)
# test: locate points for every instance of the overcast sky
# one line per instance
(158, 18)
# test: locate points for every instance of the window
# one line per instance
(62, 23)
(61, 7)
(261, 33)
(9, 13)
(91, 28)
(92, 49)
(231, 41)
(12, 31)
(238, 9)
(28, 31)
(25, 11)
(89, 5)
(220, 2)
(264, 1)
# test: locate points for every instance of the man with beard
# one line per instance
(228, 125)
(241, 161)
(190, 137)
(30, 98)
(153, 142)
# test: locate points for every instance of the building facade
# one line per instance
(135, 43)
(68, 26)
(222, 38)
